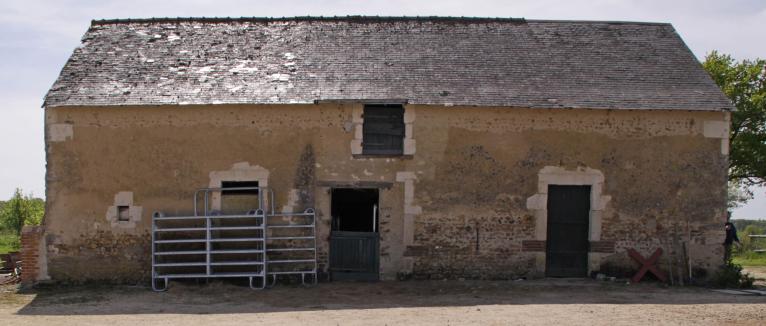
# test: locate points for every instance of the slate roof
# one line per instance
(425, 60)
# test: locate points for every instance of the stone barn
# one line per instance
(429, 147)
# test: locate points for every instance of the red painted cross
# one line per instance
(647, 265)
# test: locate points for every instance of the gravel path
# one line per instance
(544, 302)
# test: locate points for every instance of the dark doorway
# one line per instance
(567, 244)
(354, 241)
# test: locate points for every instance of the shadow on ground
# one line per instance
(224, 298)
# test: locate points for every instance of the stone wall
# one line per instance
(464, 203)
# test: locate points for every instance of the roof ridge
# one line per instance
(363, 18)
(611, 22)
(350, 18)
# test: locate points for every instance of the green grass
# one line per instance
(750, 259)
(9, 241)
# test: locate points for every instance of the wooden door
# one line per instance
(567, 243)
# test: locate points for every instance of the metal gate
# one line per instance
(567, 242)
(255, 245)
(354, 255)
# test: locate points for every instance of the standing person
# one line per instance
(731, 237)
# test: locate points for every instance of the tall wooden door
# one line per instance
(567, 243)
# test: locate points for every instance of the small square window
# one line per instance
(383, 130)
(123, 213)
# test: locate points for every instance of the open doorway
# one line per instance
(354, 240)
(354, 210)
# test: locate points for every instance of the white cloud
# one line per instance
(22, 160)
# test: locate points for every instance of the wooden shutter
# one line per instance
(383, 130)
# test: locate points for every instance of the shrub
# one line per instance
(730, 276)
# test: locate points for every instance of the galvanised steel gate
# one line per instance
(214, 245)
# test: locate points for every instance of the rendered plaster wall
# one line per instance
(659, 176)
(457, 206)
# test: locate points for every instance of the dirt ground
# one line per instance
(543, 302)
(758, 272)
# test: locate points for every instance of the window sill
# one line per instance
(388, 156)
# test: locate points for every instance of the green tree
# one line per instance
(738, 194)
(744, 82)
(22, 210)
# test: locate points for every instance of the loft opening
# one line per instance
(234, 188)
(383, 129)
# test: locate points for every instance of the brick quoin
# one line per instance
(30, 244)
(533, 245)
(602, 246)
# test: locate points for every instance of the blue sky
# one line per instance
(36, 38)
